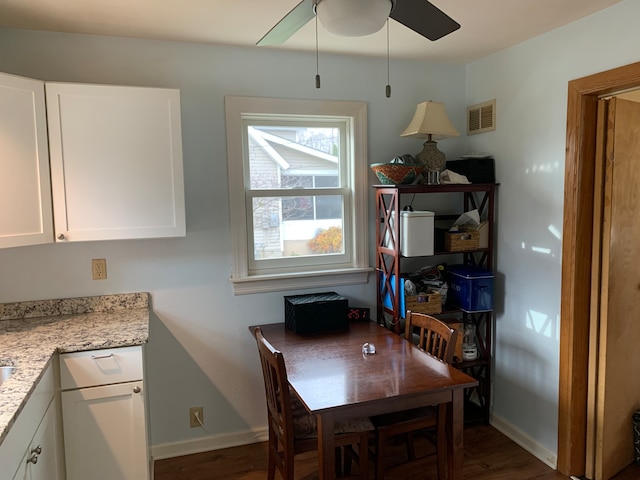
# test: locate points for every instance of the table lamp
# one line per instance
(431, 122)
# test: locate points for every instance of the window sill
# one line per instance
(293, 281)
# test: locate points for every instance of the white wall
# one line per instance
(200, 351)
(529, 83)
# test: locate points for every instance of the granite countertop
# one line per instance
(32, 332)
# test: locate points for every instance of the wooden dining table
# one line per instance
(336, 381)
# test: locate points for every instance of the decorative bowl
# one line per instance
(396, 173)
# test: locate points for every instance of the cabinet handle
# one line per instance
(136, 389)
(97, 357)
(37, 450)
(33, 458)
(61, 237)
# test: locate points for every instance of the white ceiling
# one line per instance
(488, 26)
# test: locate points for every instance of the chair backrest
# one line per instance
(276, 388)
(434, 336)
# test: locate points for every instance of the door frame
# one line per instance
(577, 239)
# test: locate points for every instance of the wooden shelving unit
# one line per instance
(389, 272)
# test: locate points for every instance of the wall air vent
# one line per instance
(481, 117)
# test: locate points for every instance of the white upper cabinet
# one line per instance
(110, 167)
(116, 162)
(25, 193)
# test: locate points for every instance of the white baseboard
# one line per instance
(529, 444)
(217, 442)
(205, 444)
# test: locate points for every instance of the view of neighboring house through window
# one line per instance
(302, 163)
(297, 187)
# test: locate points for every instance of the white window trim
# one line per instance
(358, 272)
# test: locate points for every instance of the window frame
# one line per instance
(357, 269)
(288, 264)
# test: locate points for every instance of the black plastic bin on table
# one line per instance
(316, 312)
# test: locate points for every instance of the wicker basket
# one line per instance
(461, 241)
(424, 303)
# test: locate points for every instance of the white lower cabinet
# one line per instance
(104, 422)
(42, 461)
(105, 434)
(32, 449)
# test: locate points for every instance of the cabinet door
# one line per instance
(42, 460)
(105, 432)
(116, 162)
(25, 194)
(20, 436)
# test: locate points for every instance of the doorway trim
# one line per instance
(577, 239)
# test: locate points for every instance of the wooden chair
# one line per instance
(438, 339)
(292, 430)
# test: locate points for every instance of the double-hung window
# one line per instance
(297, 188)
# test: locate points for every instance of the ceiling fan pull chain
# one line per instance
(317, 61)
(388, 89)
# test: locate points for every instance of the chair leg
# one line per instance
(271, 469)
(287, 459)
(363, 463)
(411, 448)
(380, 447)
(349, 457)
(347, 464)
(442, 458)
(361, 455)
(273, 447)
(441, 443)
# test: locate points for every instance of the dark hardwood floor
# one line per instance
(488, 455)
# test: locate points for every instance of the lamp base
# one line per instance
(434, 162)
(430, 177)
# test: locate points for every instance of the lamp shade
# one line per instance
(430, 121)
(353, 18)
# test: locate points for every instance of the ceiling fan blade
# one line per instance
(290, 24)
(424, 18)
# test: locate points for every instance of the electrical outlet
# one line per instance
(99, 268)
(193, 421)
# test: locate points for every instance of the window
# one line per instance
(315, 208)
(297, 188)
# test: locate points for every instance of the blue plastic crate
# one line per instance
(470, 288)
(388, 294)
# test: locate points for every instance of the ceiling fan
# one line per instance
(363, 17)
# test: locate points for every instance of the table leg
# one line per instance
(326, 446)
(455, 441)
